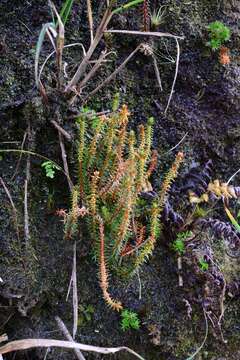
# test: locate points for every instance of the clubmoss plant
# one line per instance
(114, 168)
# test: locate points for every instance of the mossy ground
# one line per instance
(35, 276)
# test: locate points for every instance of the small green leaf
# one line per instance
(203, 265)
(178, 246)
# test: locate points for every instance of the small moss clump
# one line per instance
(129, 320)
(218, 34)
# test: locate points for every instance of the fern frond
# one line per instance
(197, 178)
(169, 215)
(221, 229)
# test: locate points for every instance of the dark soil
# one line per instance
(35, 274)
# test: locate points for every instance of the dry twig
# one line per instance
(61, 130)
(68, 336)
(64, 159)
(33, 343)
(15, 217)
(175, 76)
(75, 295)
(20, 157)
(83, 65)
(3, 338)
(26, 215)
(144, 33)
(73, 284)
(90, 19)
(116, 71)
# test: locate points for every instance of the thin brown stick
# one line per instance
(99, 34)
(91, 73)
(90, 19)
(62, 131)
(205, 337)
(91, 114)
(52, 53)
(3, 338)
(144, 33)
(116, 71)
(64, 159)
(20, 158)
(75, 294)
(68, 336)
(179, 265)
(26, 215)
(15, 216)
(46, 354)
(221, 300)
(157, 73)
(5, 323)
(175, 76)
(60, 43)
(33, 343)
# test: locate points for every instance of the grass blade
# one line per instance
(127, 6)
(39, 47)
(232, 219)
(65, 11)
